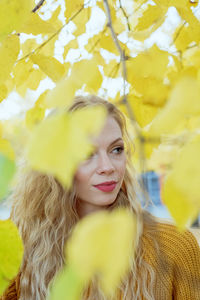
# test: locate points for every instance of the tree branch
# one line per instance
(38, 6)
(124, 100)
(122, 59)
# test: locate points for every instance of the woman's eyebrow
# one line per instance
(117, 140)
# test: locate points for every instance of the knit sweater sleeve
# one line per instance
(12, 292)
(175, 259)
(186, 279)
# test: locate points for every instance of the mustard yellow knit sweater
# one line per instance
(177, 266)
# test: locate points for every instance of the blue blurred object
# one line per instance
(151, 181)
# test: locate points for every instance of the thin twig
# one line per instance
(178, 33)
(38, 6)
(123, 61)
(52, 36)
(125, 101)
(139, 6)
(114, 70)
(125, 15)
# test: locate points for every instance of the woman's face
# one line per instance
(99, 178)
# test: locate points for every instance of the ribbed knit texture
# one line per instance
(177, 266)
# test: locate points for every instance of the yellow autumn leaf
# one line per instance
(177, 3)
(34, 79)
(1, 129)
(94, 247)
(9, 83)
(35, 25)
(49, 65)
(54, 20)
(193, 123)
(13, 14)
(71, 7)
(93, 80)
(108, 44)
(99, 58)
(163, 157)
(9, 50)
(144, 113)
(15, 132)
(62, 94)
(36, 113)
(155, 93)
(93, 43)
(185, 35)
(144, 34)
(34, 116)
(21, 90)
(80, 21)
(181, 188)
(194, 58)
(111, 69)
(152, 90)
(6, 149)
(28, 46)
(21, 71)
(152, 62)
(11, 252)
(119, 24)
(3, 92)
(40, 102)
(59, 143)
(73, 44)
(183, 102)
(187, 14)
(151, 15)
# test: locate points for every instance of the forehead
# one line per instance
(110, 132)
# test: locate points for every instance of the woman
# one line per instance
(167, 262)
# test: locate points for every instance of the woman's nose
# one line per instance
(104, 164)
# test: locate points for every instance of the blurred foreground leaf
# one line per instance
(181, 188)
(7, 170)
(101, 244)
(11, 251)
(59, 143)
(68, 285)
(13, 14)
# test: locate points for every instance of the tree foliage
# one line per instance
(158, 88)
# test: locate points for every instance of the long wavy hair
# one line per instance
(45, 213)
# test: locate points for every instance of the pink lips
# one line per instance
(106, 186)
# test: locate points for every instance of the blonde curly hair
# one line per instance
(45, 213)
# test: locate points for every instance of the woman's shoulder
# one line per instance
(174, 256)
(177, 246)
(165, 232)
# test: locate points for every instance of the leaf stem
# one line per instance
(40, 3)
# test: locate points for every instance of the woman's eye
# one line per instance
(118, 150)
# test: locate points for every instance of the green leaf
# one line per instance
(11, 251)
(7, 170)
(68, 285)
